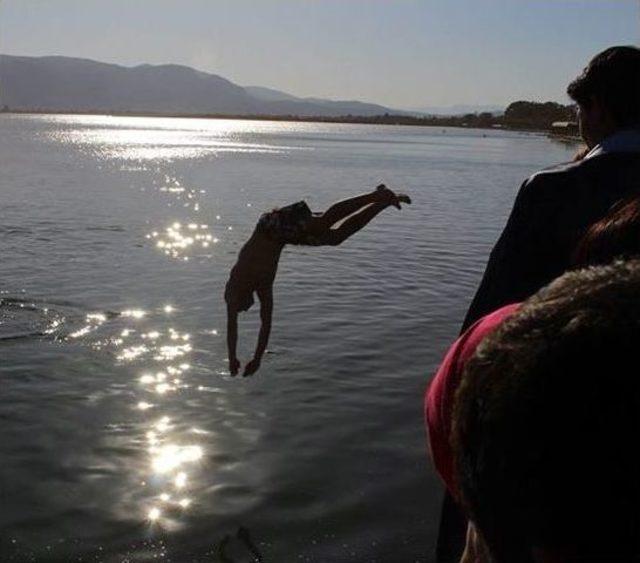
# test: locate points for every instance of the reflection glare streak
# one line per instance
(94, 321)
(177, 241)
(163, 424)
(162, 388)
(134, 313)
(171, 352)
(132, 353)
(154, 514)
(170, 457)
(170, 446)
(97, 317)
(170, 453)
(180, 480)
(162, 393)
(181, 240)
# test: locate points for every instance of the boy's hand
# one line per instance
(252, 367)
(234, 366)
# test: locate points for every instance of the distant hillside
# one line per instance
(70, 84)
(62, 83)
(519, 116)
(534, 115)
(321, 107)
(269, 94)
(460, 110)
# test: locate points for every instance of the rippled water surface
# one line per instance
(122, 437)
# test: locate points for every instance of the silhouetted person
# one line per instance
(545, 426)
(555, 206)
(257, 264)
(615, 236)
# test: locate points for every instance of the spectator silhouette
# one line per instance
(545, 425)
(616, 236)
(555, 206)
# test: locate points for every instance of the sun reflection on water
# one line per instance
(171, 456)
(156, 139)
(178, 241)
(186, 238)
(173, 449)
(134, 313)
(154, 514)
(167, 478)
(93, 320)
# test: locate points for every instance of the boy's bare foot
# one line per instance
(390, 197)
(387, 196)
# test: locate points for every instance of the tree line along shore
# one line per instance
(548, 117)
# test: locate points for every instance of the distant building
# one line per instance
(5, 109)
(565, 128)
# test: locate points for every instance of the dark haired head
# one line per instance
(616, 235)
(546, 423)
(612, 78)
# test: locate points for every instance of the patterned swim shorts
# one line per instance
(287, 225)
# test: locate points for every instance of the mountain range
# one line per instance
(81, 85)
(61, 84)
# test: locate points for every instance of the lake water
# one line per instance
(122, 437)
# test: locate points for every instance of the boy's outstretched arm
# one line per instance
(266, 311)
(232, 339)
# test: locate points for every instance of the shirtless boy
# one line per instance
(257, 263)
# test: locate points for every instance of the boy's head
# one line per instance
(546, 424)
(608, 93)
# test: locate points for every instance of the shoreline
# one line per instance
(387, 119)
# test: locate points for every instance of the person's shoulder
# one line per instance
(554, 174)
(553, 182)
(546, 184)
(573, 171)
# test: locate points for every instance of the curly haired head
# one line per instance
(546, 423)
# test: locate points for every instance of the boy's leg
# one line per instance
(352, 225)
(346, 207)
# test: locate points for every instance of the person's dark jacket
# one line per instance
(552, 211)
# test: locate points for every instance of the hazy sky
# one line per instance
(402, 53)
